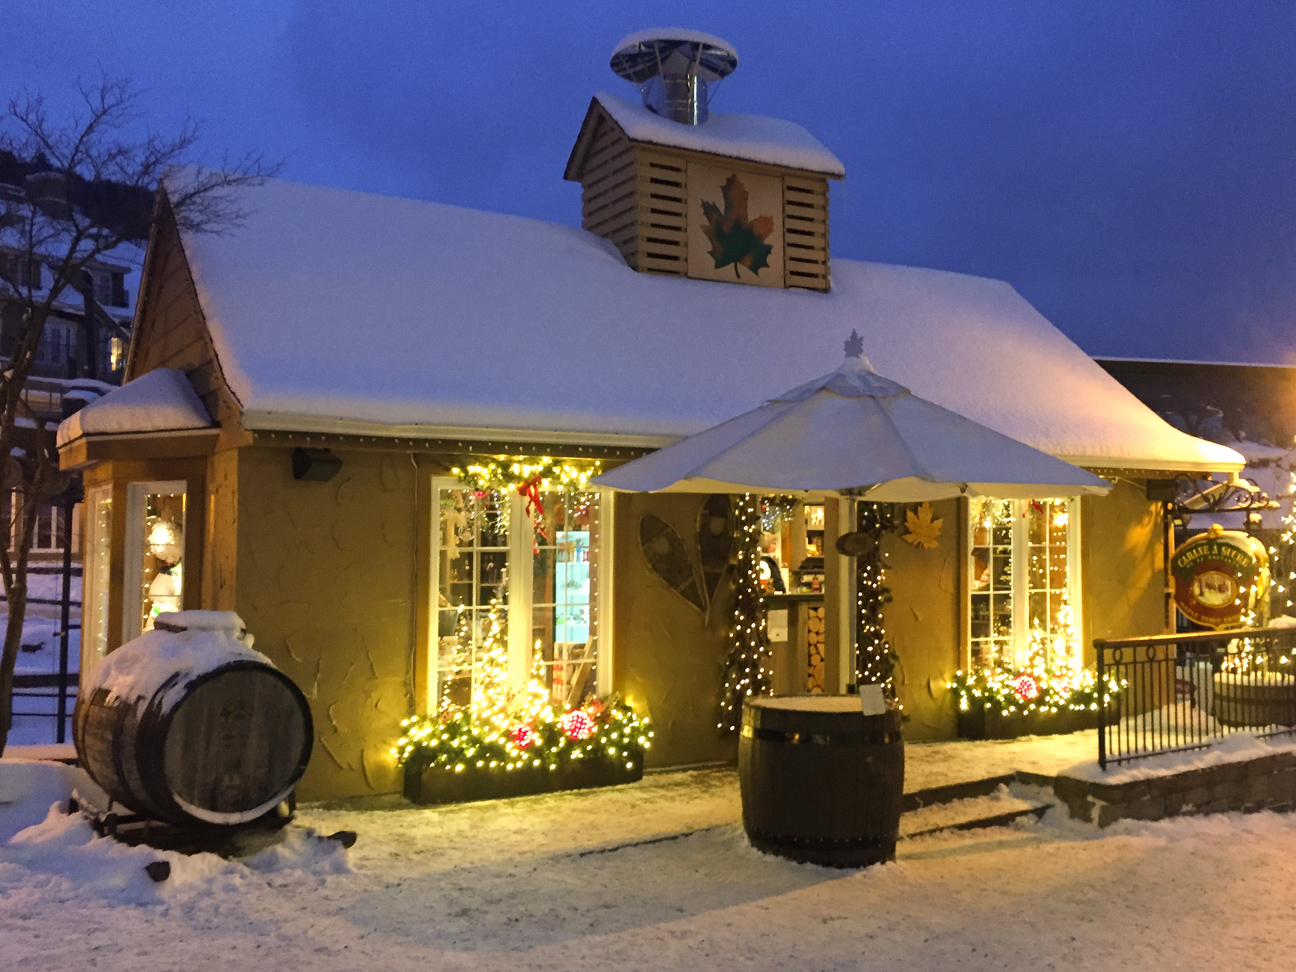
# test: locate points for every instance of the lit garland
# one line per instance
(874, 662)
(503, 731)
(504, 473)
(529, 477)
(1052, 681)
(747, 664)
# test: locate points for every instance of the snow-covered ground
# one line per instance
(575, 881)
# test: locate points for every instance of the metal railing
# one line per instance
(51, 696)
(1175, 693)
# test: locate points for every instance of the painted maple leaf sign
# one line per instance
(735, 239)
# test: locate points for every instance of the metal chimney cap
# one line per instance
(649, 53)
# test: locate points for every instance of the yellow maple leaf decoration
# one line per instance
(923, 530)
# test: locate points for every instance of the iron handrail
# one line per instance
(1187, 737)
(1194, 637)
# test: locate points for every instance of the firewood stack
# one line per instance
(815, 644)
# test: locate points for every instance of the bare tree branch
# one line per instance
(57, 224)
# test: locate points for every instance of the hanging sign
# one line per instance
(735, 226)
(1219, 576)
(856, 544)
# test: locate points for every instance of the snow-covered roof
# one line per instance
(160, 401)
(751, 137)
(341, 311)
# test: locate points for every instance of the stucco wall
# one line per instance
(1124, 565)
(923, 623)
(669, 657)
(326, 575)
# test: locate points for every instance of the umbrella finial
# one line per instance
(854, 345)
(855, 361)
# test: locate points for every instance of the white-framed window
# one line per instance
(538, 571)
(95, 570)
(57, 344)
(20, 271)
(50, 530)
(1023, 577)
(154, 554)
(102, 285)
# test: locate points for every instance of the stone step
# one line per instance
(996, 809)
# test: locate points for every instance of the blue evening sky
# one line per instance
(1128, 165)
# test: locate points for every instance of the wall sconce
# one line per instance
(314, 465)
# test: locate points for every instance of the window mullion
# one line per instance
(1021, 580)
(521, 569)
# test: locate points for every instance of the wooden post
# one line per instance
(839, 596)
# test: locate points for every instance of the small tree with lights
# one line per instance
(747, 662)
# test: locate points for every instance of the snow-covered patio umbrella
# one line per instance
(856, 433)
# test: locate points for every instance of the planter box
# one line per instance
(435, 784)
(988, 723)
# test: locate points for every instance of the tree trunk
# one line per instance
(16, 592)
(9, 660)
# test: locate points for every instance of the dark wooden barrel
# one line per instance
(821, 782)
(223, 743)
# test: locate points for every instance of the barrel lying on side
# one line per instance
(821, 782)
(188, 724)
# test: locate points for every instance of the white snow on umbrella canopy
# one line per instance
(160, 401)
(855, 431)
(752, 137)
(171, 660)
(487, 303)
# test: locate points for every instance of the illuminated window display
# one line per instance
(505, 555)
(1020, 578)
(155, 554)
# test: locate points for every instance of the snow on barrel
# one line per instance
(188, 724)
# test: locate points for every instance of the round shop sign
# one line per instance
(1219, 576)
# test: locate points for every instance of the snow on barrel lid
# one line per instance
(182, 646)
(224, 622)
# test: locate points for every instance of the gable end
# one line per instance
(170, 328)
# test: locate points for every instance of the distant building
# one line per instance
(82, 353)
(1249, 407)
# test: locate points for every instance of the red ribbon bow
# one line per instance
(529, 490)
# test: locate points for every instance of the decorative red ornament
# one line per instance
(595, 708)
(1026, 687)
(529, 490)
(523, 736)
(576, 724)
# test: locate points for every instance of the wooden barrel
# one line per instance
(821, 782)
(187, 724)
(1253, 699)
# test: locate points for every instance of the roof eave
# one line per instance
(1171, 466)
(265, 421)
(86, 450)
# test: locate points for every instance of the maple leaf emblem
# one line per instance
(923, 530)
(735, 239)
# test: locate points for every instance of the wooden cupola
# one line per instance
(736, 198)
